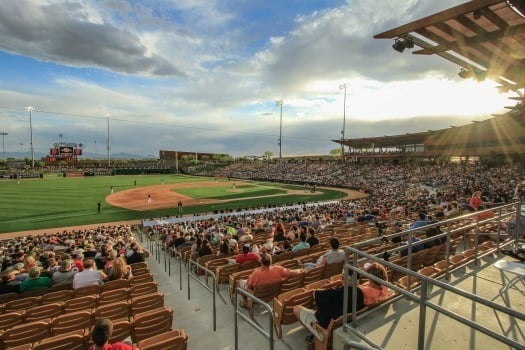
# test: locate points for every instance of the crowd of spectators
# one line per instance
(80, 257)
(416, 193)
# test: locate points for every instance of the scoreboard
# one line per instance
(64, 151)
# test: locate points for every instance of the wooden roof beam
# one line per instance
(437, 17)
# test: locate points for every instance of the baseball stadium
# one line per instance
(408, 241)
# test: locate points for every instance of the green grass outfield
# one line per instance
(59, 202)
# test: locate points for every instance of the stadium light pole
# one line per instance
(108, 147)
(280, 143)
(4, 134)
(31, 109)
(343, 87)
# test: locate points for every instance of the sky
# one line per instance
(205, 75)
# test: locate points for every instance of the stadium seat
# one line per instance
(71, 322)
(264, 292)
(141, 289)
(69, 341)
(116, 284)
(113, 311)
(41, 312)
(146, 302)
(57, 296)
(114, 295)
(150, 323)
(88, 302)
(11, 319)
(283, 305)
(26, 333)
(175, 339)
(22, 303)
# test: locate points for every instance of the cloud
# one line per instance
(204, 75)
(73, 34)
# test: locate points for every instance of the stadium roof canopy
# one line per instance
(485, 37)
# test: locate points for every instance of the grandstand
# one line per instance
(445, 295)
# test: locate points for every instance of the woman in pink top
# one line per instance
(373, 292)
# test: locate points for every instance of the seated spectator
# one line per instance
(135, 254)
(35, 281)
(302, 244)
(49, 266)
(20, 273)
(452, 210)
(224, 247)
(205, 248)
(9, 284)
(89, 276)
(312, 240)
(119, 270)
(78, 262)
(423, 220)
(264, 275)
(333, 255)
(330, 301)
(101, 333)
(475, 201)
(90, 251)
(102, 257)
(415, 247)
(246, 255)
(65, 274)
(431, 232)
(279, 232)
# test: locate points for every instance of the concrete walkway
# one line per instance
(396, 327)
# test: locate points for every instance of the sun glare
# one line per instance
(429, 97)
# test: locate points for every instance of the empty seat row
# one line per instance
(86, 306)
(72, 331)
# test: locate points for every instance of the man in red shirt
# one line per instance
(247, 255)
(264, 275)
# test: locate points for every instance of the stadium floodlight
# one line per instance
(108, 146)
(4, 134)
(399, 45)
(280, 103)
(31, 109)
(343, 87)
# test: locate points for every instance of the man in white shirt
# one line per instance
(89, 276)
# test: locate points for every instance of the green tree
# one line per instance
(268, 155)
(336, 152)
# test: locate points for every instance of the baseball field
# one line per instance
(53, 202)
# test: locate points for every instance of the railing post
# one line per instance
(422, 316)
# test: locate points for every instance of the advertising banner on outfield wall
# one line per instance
(73, 174)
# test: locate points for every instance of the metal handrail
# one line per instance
(237, 313)
(422, 300)
(178, 253)
(213, 290)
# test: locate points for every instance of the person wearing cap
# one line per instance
(35, 281)
(247, 255)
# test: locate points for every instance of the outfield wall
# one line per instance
(165, 221)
